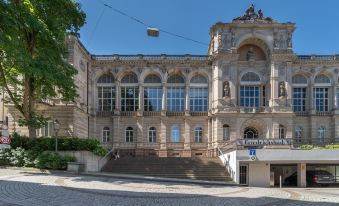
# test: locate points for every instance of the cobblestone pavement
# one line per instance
(18, 187)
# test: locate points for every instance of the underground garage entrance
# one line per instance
(287, 174)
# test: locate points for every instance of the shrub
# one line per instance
(41, 144)
(4, 156)
(53, 160)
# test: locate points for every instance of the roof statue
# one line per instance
(251, 16)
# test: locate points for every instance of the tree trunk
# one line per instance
(28, 104)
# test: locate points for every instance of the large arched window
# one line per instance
(176, 93)
(198, 94)
(129, 134)
(250, 133)
(198, 134)
(106, 93)
(299, 83)
(175, 134)
(321, 134)
(250, 90)
(152, 93)
(106, 133)
(321, 93)
(129, 93)
(282, 132)
(152, 135)
(250, 77)
(226, 132)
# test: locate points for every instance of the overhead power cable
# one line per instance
(96, 25)
(147, 25)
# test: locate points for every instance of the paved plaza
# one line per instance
(19, 187)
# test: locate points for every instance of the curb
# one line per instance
(123, 176)
(158, 179)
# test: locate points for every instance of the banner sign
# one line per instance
(4, 135)
(257, 142)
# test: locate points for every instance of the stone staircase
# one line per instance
(210, 169)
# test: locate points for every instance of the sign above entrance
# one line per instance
(256, 142)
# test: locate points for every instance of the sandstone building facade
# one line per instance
(250, 85)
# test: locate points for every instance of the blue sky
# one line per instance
(317, 27)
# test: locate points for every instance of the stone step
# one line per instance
(173, 167)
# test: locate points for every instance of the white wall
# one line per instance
(231, 164)
(259, 174)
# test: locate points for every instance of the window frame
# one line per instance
(106, 134)
(198, 133)
(129, 135)
(152, 135)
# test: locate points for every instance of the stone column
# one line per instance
(289, 83)
(216, 85)
(274, 85)
(187, 139)
(234, 84)
(301, 171)
(117, 97)
(187, 99)
(163, 139)
(164, 99)
(139, 137)
(141, 99)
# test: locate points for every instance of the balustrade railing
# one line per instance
(175, 113)
(128, 113)
(151, 113)
(141, 57)
(198, 113)
(318, 57)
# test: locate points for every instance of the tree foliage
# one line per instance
(33, 53)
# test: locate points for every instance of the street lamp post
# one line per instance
(56, 130)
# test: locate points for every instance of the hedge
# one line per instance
(42, 144)
(27, 158)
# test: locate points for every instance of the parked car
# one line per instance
(313, 177)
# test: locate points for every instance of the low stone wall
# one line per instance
(92, 162)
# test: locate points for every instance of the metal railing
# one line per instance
(104, 159)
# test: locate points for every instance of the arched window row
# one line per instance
(320, 96)
(152, 99)
(319, 79)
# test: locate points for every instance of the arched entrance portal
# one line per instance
(250, 133)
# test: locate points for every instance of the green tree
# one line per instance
(33, 53)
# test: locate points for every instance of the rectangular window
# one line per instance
(198, 135)
(249, 96)
(45, 131)
(175, 99)
(299, 99)
(198, 99)
(106, 98)
(337, 98)
(129, 99)
(320, 97)
(263, 96)
(281, 132)
(152, 99)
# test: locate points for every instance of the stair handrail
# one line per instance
(104, 157)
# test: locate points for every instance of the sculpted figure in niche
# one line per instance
(233, 39)
(227, 91)
(250, 54)
(289, 40)
(282, 89)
